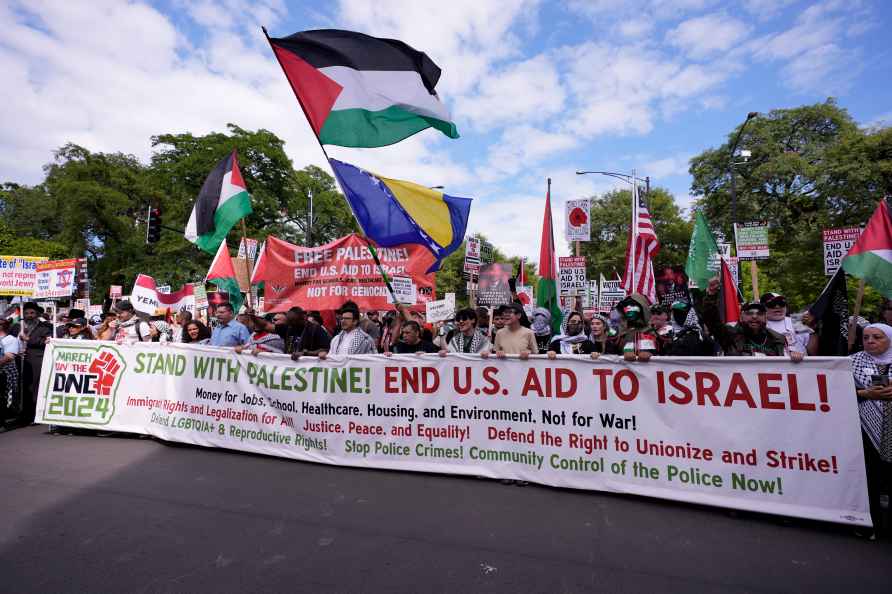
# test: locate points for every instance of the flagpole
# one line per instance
(633, 253)
(303, 108)
(247, 263)
(855, 313)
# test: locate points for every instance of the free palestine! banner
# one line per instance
(735, 432)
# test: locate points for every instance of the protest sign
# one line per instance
(247, 248)
(525, 296)
(610, 293)
(146, 298)
(82, 304)
(201, 294)
(114, 291)
(444, 309)
(837, 243)
(404, 290)
(17, 274)
(752, 240)
(747, 433)
(494, 287)
(472, 256)
(324, 277)
(590, 298)
(94, 310)
(55, 278)
(578, 227)
(572, 276)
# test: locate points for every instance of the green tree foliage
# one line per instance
(611, 215)
(95, 204)
(811, 168)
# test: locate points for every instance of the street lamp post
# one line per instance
(733, 150)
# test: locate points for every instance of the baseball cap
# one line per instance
(773, 299)
(753, 305)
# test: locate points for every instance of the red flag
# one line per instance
(730, 304)
(546, 289)
(639, 274)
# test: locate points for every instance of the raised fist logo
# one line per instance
(106, 366)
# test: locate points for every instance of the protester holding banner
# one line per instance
(751, 336)
(64, 319)
(195, 332)
(467, 339)
(351, 340)
(541, 327)
(229, 332)
(300, 335)
(261, 340)
(514, 339)
(9, 373)
(35, 333)
(686, 338)
(128, 327)
(602, 336)
(573, 340)
(183, 317)
(636, 338)
(411, 340)
(872, 369)
(799, 338)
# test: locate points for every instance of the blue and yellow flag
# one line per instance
(392, 212)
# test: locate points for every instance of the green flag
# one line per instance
(702, 251)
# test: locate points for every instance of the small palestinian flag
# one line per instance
(871, 256)
(222, 202)
(362, 91)
(222, 274)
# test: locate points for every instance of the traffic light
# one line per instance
(153, 225)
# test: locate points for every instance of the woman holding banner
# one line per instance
(873, 385)
(9, 373)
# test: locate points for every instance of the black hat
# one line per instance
(773, 298)
(76, 313)
(32, 305)
(753, 305)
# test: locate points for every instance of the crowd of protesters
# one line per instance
(634, 329)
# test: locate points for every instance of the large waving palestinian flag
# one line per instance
(871, 256)
(362, 91)
(222, 203)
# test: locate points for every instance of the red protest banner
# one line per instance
(324, 277)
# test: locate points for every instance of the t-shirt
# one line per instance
(128, 331)
(513, 342)
(231, 334)
(9, 345)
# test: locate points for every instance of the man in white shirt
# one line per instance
(351, 340)
(798, 341)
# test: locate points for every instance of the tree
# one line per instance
(811, 168)
(611, 216)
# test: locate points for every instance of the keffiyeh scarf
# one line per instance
(876, 415)
(462, 344)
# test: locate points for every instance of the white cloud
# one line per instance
(765, 9)
(527, 91)
(519, 148)
(703, 36)
(668, 166)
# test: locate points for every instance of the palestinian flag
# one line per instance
(222, 202)
(222, 274)
(362, 91)
(871, 256)
(729, 300)
(546, 289)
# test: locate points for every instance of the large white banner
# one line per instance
(747, 433)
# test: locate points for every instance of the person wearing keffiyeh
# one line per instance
(573, 340)
(541, 327)
(351, 340)
(872, 370)
(467, 339)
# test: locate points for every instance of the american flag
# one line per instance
(639, 275)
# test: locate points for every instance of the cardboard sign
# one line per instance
(444, 309)
(404, 290)
(115, 291)
(837, 243)
(573, 276)
(17, 274)
(56, 278)
(578, 223)
(752, 240)
(472, 256)
(610, 293)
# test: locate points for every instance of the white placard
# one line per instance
(578, 224)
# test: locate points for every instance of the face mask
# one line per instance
(680, 316)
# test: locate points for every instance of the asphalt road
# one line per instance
(119, 514)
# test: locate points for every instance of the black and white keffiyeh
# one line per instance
(355, 342)
(462, 344)
(876, 415)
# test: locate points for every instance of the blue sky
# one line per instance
(537, 89)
